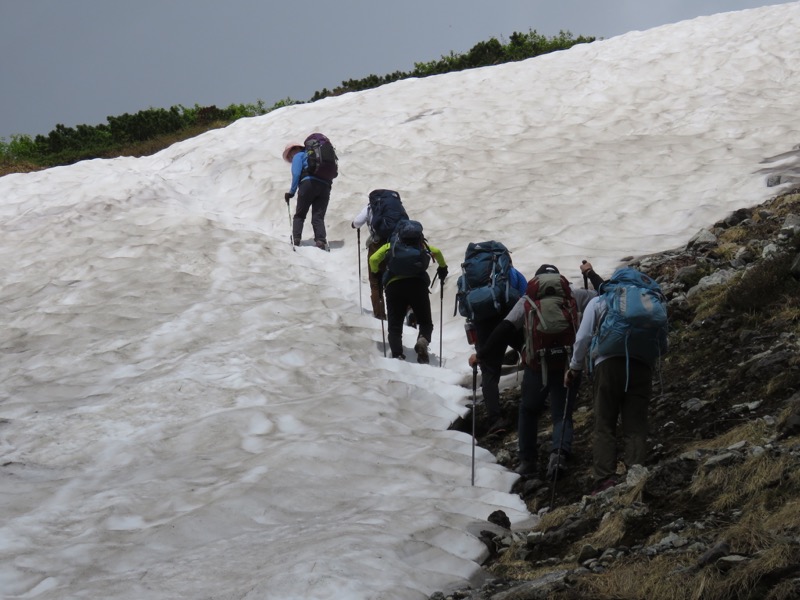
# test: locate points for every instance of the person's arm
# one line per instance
(377, 258)
(588, 271)
(518, 281)
(437, 255)
(361, 218)
(584, 336)
(503, 334)
(298, 164)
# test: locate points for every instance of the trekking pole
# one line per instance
(358, 243)
(441, 318)
(585, 278)
(474, 402)
(560, 447)
(291, 233)
(383, 333)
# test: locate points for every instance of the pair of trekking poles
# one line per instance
(383, 331)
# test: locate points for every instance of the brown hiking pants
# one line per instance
(375, 288)
(612, 401)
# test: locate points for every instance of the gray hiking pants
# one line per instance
(611, 402)
(313, 194)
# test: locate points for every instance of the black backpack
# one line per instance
(387, 211)
(322, 160)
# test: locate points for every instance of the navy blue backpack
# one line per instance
(387, 211)
(408, 254)
(484, 288)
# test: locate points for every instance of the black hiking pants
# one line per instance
(312, 194)
(490, 365)
(400, 294)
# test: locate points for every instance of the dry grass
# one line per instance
(734, 236)
(668, 578)
(735, 485)
(555, 518)
(754, 432)
(508, 566)
(610, 532)
(639, 579)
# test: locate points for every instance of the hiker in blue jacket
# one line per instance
(313, 193)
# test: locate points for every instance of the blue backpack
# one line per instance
(484, 288)
(408, 254)
(387, 211)
(635, 324)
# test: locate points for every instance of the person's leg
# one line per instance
(634, 413)
(304, 198)
(396, 311)
(375, 289)
(608, 385)
(530, 407)
(420, 302)
(319, 207)
(490, 368)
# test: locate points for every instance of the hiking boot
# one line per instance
(400, 356)
(510, 358)
(527, 468)
(321, 244)
(297, 241)
(557, 466)
(421, 348)
(499, 425)
(603, 485)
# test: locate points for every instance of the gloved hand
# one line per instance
(441, 272)
(570, 376)
(288, 196)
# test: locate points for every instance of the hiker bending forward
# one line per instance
(314, 193)
(403, 290)
(545, 361)
(622, 387)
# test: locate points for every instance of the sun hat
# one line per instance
(289, 147)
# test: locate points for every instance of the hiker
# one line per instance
(545, 355)
(489, 288)
(621, 365)
(312, 183)
(383, 211)
(406, 282)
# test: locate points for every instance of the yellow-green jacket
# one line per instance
(380, 254)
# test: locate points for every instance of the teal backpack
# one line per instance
(635, 324)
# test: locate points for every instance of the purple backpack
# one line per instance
(322, 160)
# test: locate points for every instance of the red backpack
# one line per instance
(551, 320)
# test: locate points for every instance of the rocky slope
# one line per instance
(715, 513)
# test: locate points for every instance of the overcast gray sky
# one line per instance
(79, 61)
